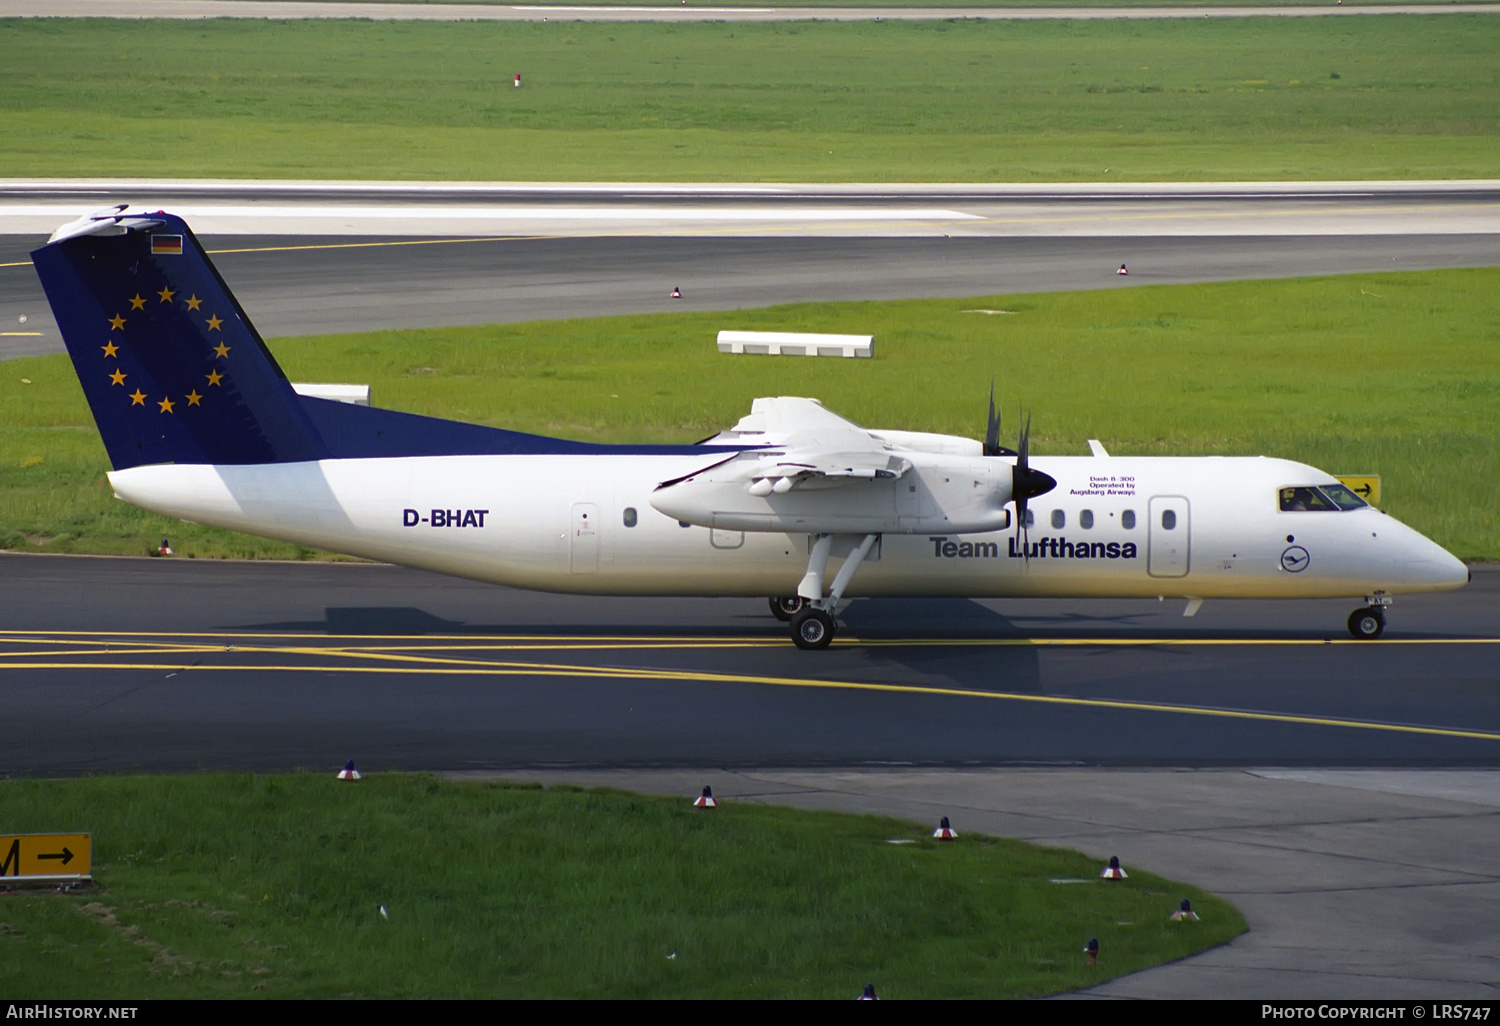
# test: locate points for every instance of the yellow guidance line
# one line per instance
(387, 642)
(355, 245)
(377, 245)
(613, 673)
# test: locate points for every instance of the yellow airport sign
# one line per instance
(46, 857)
(1366, 486)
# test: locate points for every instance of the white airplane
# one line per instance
(793, 502)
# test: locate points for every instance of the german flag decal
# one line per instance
(166, 245)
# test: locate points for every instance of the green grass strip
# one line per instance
(1394, 374)
(240, 886)
(1218, 99)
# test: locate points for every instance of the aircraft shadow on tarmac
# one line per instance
(372, 620)
(929, 621)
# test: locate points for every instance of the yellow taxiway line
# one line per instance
(418, 665)
(483, 642)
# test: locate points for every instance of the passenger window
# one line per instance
(1304, 500)
(1127, 520)
(1030, 518)
(1059, 519)
(1086, 519)
(1168, 519)
(630, 517)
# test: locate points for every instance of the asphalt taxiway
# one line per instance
(1109, 727)
(138, 664)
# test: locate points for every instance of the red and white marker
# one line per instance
(518, 81)
(1113, 870)
(1120, 271)
(945, 832)
(1092, 950)
(164, 549)
(349, 772)
(706, 800)
(676, 292)
(1185, 913)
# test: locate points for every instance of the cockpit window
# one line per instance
(1342, 497)
(1324, 498)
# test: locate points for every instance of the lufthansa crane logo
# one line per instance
(1295, 559)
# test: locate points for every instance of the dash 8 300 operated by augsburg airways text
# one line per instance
(793, 502)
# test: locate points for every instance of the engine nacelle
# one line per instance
(928, 441)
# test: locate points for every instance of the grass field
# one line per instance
(1222, 99)
(1392, 374)
(237, 886)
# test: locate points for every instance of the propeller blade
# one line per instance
(1022, 534)
(1018, 489)
(1027, 484)
(992, 427)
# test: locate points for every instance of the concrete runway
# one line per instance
(314, 257)
(289, 290)
(360, 255)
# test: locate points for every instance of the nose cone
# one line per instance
(1439, 570)
(1426, 565)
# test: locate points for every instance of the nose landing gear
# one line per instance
(1368, 623)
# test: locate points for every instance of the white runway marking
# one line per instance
(870, 211)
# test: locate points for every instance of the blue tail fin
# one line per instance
(171, 367)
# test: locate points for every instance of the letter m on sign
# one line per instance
(11, 866)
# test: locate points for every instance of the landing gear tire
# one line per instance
(812, 629)
(786, 608)
(1367, 624)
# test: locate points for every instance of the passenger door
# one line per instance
(583, 543)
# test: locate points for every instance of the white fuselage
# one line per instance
(559, 523)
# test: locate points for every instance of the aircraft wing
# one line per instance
(783, 420)
(809, 442)
(808, 463)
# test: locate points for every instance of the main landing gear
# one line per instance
(813, 628)
(810, 612)
(1368, 623)
(784, 609)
